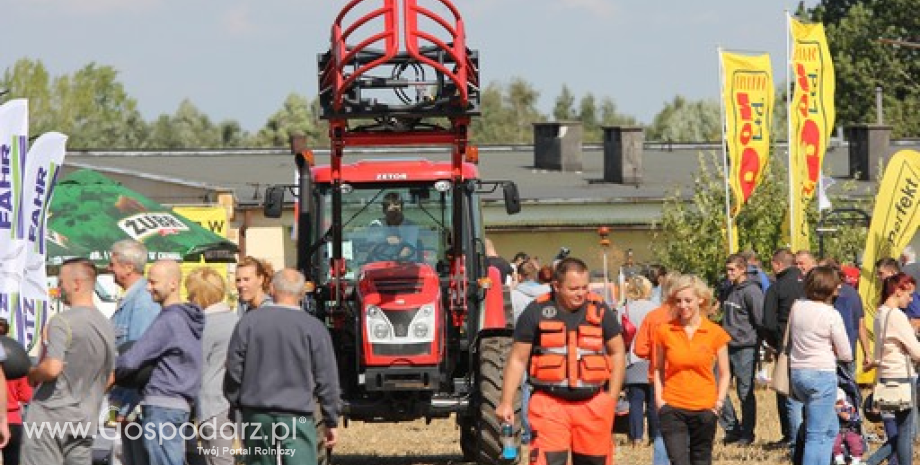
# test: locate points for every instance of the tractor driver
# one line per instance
(400, 235)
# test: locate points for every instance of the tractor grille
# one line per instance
(420, 348)
(400, 319)
(398, 286)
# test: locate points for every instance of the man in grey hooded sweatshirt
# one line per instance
(742, 315)
(172, 345)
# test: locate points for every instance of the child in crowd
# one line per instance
(848, 438)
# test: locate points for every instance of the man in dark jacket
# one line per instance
(742, 314)
(778, 301)
(172, 344)
(279, 358)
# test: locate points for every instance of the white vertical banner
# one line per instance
(43, 164)
(14, 132)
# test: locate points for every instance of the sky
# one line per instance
(239, 59)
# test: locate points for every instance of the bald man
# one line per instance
(78, 350)
(172, 345)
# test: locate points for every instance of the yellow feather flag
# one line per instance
(747, 99)
(811, 119)
(894, 223)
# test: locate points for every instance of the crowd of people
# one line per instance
(695, 341)
(172, 369)
(665, 343)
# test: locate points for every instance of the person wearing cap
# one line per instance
(399, 240)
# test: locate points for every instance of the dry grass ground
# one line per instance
(438, 443)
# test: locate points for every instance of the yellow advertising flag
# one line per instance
(811, 118)
(894, 223)
(747, 99)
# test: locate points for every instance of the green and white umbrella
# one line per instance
(90, 212)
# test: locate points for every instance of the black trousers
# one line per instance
(688, 434)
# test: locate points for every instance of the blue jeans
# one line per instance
(659, 451)
(742, 361)
(818, 391)
(162, 435)
(525, 402)
(641, 410)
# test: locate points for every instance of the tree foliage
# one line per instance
(863, 62)
(683, 120)
(692, 236)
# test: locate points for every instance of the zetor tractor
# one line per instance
(394, 247)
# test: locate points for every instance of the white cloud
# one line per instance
(237, 20)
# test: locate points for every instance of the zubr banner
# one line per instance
(811, 120)
(747, 97)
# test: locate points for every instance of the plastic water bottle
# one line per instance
(509, 449)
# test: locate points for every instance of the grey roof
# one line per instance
(190, 177)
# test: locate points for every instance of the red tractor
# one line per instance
(395, 247)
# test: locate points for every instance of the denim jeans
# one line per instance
(526, 436)
(164, 443)
(899, 447)
(659, 451)
(641, 410)
(818, 391)
(742, 361)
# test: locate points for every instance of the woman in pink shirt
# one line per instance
(817, 340)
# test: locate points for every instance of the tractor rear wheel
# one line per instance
(480, 431)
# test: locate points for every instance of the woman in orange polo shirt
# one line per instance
(686, 391)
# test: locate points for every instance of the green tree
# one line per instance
(521, 99)
(682, 120)
(692, 236)
(862, 62)
(295, 117)
(94, 110)
(564, 109)
(29, 79)
(187, 128)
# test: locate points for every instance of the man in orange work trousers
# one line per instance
(576, 365)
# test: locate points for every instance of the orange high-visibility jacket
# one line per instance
(575, 359)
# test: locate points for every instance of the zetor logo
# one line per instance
(143, 225)
(392, 176)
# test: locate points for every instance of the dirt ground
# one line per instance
(438, 443)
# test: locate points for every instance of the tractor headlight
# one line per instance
(420, 330)
(377, 324)
(423, 325)
(381, 331)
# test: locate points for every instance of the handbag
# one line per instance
(629, 329)
(892, 394)
(780, 381)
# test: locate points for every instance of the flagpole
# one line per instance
(728, 207)
(793, 232)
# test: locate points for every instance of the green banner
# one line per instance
(90, 212)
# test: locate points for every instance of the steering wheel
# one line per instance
(385, 251)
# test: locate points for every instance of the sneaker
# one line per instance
(730, 438)
(745, 442)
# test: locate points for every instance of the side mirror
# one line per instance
(512, 198)
(274, 202)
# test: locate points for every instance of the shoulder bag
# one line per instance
(780, 381)
(892, 394)
(629, 329)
